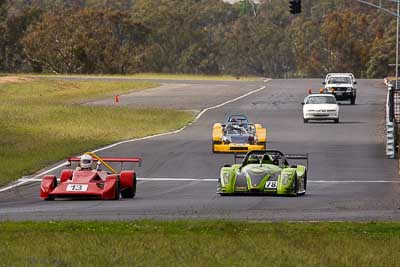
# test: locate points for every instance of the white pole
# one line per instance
(397, 79)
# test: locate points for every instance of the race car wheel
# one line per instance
(264, 145)
(304, 184)
(353, 100)
(117, 189)
(54, 185)
(295, 185)
(336, 120)
(219, 187)
(305, 120)
(130, 192)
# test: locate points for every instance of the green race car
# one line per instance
(264, 172)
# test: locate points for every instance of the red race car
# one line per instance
(85, 182)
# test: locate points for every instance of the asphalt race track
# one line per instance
(349, 176)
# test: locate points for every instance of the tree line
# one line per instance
(196, 36)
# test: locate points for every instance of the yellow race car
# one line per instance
(238, 135)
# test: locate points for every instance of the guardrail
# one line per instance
(392, 118)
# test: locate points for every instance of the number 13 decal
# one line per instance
(76, 187)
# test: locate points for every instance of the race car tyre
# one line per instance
(305, 181)
(219, 188)
(353, 100)
(305, 184)
(305, 120)
(336, 120)
(130, 192)
(264, 145)
(117, 189)
(54, 185)
(295, 185)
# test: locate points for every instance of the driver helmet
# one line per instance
(86, 161)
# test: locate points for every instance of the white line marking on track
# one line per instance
(179, 179)
(24, 180)
(33, 179)
(353, 181)
(310, 181)
(166, 179)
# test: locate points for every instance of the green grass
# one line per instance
(42, 121)
(197, 243)
(167, 77)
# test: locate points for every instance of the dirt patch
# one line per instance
(15, 79)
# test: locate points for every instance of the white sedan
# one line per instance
(320, 107)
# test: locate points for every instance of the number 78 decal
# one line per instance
(271, 185)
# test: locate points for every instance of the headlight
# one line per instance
(226, 177)
(285, 178)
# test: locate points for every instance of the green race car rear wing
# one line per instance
(272, 153)
(298, 157)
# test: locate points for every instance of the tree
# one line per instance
(383, 54)
(87, 41)
(12, 29)
(257, 45)
(182, 33)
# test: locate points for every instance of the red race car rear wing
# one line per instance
(105, 160)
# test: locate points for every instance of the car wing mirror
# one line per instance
(324, 83)
(355, 82)
(227, 165)
(302, 103)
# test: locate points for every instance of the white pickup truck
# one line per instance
(342, 86)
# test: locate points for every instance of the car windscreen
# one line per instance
(236, 131)
(321, 100)
(339, 80)
(238, 118)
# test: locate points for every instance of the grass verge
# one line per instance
(195, 243)
(41, 121)
(165, 76)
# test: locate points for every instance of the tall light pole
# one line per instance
(397, 45)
